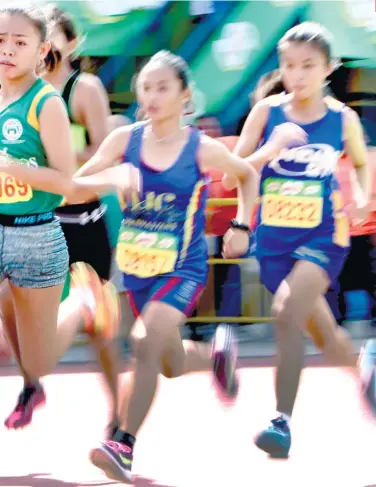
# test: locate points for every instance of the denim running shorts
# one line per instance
(34, 256)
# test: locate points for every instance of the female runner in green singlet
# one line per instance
(34, 258)
(78, 91)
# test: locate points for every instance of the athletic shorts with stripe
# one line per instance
(182, 294)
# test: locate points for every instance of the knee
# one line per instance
(145, 348)
(287, 315)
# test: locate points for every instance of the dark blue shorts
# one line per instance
(274, 269)
(182, 294)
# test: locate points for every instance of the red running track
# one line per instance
(189, 439)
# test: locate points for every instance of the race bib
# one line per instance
(13, 190)
(292, 204)
(146, 254)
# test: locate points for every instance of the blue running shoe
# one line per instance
(275, 440)
(225, 358)
(367, 370)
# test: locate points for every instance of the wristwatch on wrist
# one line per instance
(240, 226)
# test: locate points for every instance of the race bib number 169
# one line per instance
(13, 190)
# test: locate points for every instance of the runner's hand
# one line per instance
(235, 243)
(285, 135)
(127, 179)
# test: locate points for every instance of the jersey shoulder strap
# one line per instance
(45, 92)
(68, 91)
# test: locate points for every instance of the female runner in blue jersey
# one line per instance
(302, 235)
(162, 249)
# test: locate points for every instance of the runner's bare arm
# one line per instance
(94, 116)
(253, 130)
(123, 178)
(250, 138)
(215, 155)
(55, 133)
(109, 154)
(356, 149)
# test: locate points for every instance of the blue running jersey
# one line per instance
(163, 231)
(300, 199)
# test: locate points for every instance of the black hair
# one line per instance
(34, 15)
(269, 84)
(63, 21)
(58, 18)
(169, 60)
(312, 33)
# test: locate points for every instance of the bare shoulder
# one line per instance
(121, 135)
(88, 81)
(89, 88)
(210, 148)
(53, 108)
(272, 101)
(260, 111)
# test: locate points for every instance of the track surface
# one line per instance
(190, 439)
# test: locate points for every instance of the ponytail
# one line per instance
(52, 59)
(269, 84)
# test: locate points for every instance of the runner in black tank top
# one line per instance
(84, 225)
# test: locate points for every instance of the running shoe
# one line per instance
(276, 439)
(115, 460)
(367, 370)
(102, 309)
(225, 357)
(31, 398)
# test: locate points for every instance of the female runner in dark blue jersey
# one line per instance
(302, 233)
(162, 250)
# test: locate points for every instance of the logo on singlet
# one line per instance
(12, 131)
(315, 160)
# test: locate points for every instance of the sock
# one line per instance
(125, 438)
(285, 416)
(34, 384)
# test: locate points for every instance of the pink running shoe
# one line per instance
(31, 398)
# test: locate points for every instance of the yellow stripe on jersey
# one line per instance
(32, 118)
(192, 208)
(341, 234)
